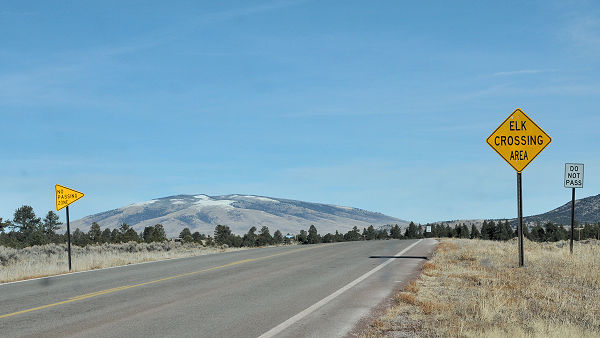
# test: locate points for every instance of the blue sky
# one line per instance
(381, 105)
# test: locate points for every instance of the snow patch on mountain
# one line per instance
(141, 204)
(240, 212)
(212, 203)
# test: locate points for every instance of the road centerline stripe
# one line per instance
(279, 328)
(126, 287)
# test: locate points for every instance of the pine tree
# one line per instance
(223, 235)
(4, 225)
(277, 237)
(198, 237)
(51, 225)
(327, 238)
(186, 235)
(249, 239)
(369, 233)
(159, 235)
(27, 224)
(411, 231)
(464, 231)
(105, 237)
(338, 237)
(124, 228)
(503, 231)
(352, 235)
(538, 234)
(95, 233)
(79, 238)
(264, 237)
(396, 232)
(474, 232)
(450, 232)
(147, 234)
(236, 241)
(115, 236)
(131, 236)
(526, 232)
(488, 230)
(382, 234)
(303, 237)
(313, 236)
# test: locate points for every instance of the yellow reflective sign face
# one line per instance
(65, 196)
(518, 140)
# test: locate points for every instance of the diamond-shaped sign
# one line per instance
(518, 140)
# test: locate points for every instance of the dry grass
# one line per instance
(51, 259)
(475, 288)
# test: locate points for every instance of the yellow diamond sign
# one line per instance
(65, 196)
(518, 140)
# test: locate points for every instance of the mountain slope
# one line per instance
(587, 210)
(239, 212)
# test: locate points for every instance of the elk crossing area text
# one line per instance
(518, 140)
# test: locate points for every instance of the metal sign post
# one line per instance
(573, 179)
(520, 215)
(68, 238)
(518, 140)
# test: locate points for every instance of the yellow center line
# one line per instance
(126, 287)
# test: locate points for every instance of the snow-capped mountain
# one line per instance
(240, 212)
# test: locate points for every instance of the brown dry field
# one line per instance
(52, 259)
(473, 288)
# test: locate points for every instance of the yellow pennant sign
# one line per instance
(65, 196)
(518, 140)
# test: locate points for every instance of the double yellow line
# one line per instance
(126, 287)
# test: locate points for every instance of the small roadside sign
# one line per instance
(65, 196)
(573, 175)
(428, 229)
(518, 140)
(573, 179)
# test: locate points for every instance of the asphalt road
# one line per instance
(316, 290)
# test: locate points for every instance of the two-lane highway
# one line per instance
(314, 290)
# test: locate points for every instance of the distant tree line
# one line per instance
(502, 231)
(26, 229)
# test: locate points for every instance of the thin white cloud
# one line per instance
(524, 72)
(236, 13)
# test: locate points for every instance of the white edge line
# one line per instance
(279, 328)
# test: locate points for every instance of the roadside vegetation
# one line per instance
(51, 259)
(473, 288)
(31, 246)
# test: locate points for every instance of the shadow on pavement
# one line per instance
(413, 257)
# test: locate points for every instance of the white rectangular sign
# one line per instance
(428, 229)
(573, 175)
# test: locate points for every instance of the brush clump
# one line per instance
(52, 259)
(473, 288)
